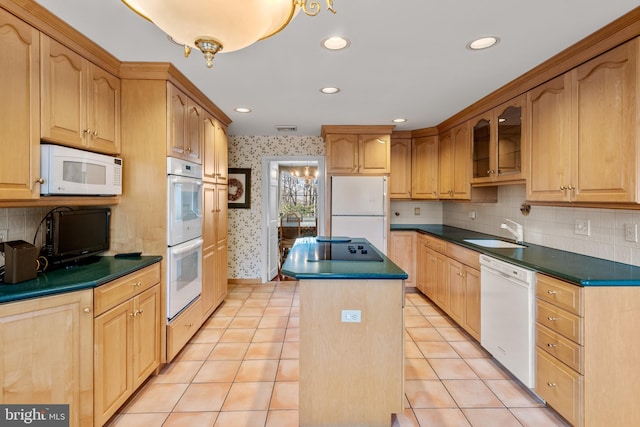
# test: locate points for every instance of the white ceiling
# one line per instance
(407, 57)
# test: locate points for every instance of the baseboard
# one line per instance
(255, 281)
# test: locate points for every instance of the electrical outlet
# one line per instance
(631, 232)
(351, 316)
(4, 234)
(416, 211)
(583, 227)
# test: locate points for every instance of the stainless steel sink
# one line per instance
(494, 243)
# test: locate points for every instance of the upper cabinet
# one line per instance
(424, 167)
(455, 163)
(186, 126)
(20, 113)
(358, 149)
(400, 174)
(215, 151)
(496, 142)
(583, 131)
(80, 102)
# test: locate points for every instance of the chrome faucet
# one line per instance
(518, 233)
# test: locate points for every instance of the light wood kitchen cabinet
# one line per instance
(357, 149)
(455, 163)
(80, 102)
(400, 176)
(127, 338)
(583, 132)
(586, 349)
(46, 349)
(496, 143)
(402, 251)
(214, 247)
(19, 117)
(456, 285)
(215, 159)
(186, 126)
(424, 170)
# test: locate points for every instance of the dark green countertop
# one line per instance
(299, 267)
(106, 269)
(582, 270)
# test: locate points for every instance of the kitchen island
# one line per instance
(351, 333)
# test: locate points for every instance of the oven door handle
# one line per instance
(182, 180)
(181, 249)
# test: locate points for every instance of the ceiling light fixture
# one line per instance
(330, 90)
(221, 25)
(399, 120)
(335, 43)
(483, 43)
(242, 110)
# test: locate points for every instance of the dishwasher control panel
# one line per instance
(507, 269)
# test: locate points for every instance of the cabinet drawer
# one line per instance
(560, 386)
(559, 293)
(182, 328)
(559, 347)
(435, 243)
(566, 324)
(464, 255)
(119, 290)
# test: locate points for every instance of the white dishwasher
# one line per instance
(507, 315)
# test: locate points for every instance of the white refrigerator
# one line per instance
(359, 208)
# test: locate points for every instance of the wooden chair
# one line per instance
(288, 233)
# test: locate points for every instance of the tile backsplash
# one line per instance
(21, 224)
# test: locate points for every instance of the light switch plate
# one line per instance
(4, 233)
(351, 316)
(631, 233)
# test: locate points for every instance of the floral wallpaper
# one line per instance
(245, 225)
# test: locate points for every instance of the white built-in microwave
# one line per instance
(72, 172)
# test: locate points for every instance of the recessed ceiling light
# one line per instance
(399, 120)
(335, 43)
(330, 90)
(242, 110)
(483, 43)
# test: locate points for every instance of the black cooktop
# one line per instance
(342, 251)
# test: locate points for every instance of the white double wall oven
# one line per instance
(184, 234)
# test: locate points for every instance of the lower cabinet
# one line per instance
(402, 251)
(46, 353)
(126, 339)
(450, 276)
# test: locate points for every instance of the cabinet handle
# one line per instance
(140, 311)
(94, 133)
(551, 345)
(553, 319)
(571, 187)
(86, 310)
(550, 384)
(550, 292)
(137, 284)
(39, 181)
(134, 314)
(562, 187)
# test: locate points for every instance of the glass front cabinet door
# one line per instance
(498, 137)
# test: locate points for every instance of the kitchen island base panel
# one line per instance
(351, 373)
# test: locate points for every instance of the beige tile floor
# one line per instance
(241, 370)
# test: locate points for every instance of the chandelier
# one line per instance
(307, 178)
(212, 26)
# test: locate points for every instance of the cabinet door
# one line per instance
(113, 358)
(604, 168)
(441, 278)
(194, 132)
(64, 94)
(374, 154)
(209, 227)
(472, 302)
(445, 163)
(424, 168)
(209, 168)
(509, 140)
(400, 176)
(19, 117)
(177, 121)
(461, 144)
(342, 153)
(456, 291)
(222, 154)
(146, 335)
(46, 353)
(483, 148)
(550, 141)
(103, 111)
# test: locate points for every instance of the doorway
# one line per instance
(295, 178)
